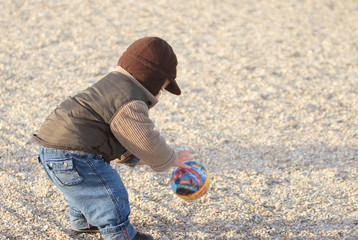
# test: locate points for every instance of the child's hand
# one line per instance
(182, 157)
(141, 163)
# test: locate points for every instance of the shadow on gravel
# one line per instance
(257, 226)
(184, 222)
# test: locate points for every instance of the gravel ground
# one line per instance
(269, 105)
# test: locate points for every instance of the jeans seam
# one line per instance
(108, 189)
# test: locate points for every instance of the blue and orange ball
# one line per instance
(190, 184)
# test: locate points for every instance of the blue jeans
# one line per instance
(93, 190)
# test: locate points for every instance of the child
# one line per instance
(109, 121)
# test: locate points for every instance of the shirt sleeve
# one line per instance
(136, 132)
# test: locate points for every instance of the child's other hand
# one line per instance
(141, 163)
(182, 157)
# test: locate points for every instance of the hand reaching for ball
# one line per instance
(182, 157)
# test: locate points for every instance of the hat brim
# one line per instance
(173, 87)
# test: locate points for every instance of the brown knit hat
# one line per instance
(151, 60)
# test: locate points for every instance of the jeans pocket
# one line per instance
(64, 171)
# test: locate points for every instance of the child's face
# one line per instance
(164, 86)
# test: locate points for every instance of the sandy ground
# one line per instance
(269, 105)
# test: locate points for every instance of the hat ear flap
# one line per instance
(151, 80)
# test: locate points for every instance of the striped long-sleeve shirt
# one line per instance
(136, 132)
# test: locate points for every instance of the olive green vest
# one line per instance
(82, 122)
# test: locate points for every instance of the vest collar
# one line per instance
(151, 99)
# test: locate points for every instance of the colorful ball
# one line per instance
(190, 184)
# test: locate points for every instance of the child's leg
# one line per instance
(77, 219)
(93, 188)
